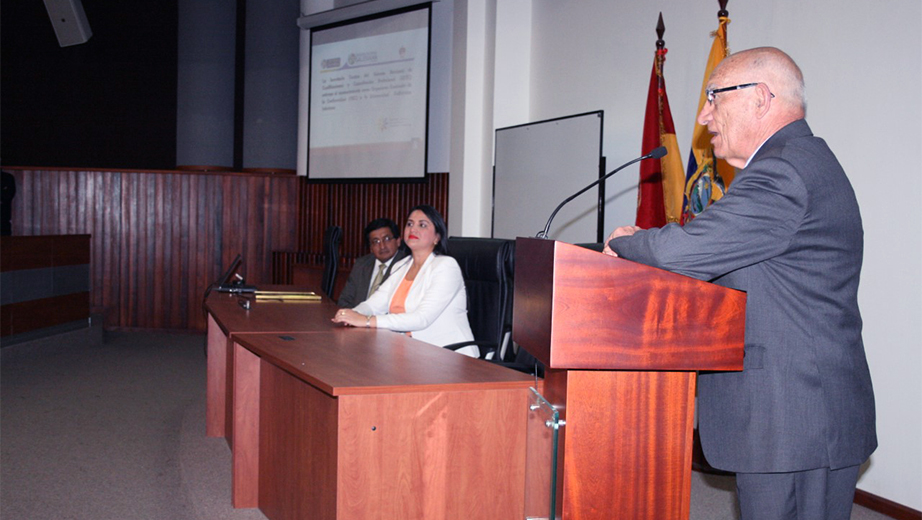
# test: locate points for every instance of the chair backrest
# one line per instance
(332, 238)
(487, 267)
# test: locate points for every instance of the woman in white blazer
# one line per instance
(425, 295)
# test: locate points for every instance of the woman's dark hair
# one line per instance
(441, 248)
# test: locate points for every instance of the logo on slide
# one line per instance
(363, 58)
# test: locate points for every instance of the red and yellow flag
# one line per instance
(660, 192)
(707, 178)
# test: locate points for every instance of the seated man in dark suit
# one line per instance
(382, 236)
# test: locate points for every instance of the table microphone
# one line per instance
(655, 154)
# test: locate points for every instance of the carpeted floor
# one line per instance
(116, 430)
(111, 431)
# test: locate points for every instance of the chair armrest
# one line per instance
(485, 347)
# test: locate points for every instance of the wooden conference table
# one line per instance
(332, 422)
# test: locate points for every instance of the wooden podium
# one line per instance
(621, 343)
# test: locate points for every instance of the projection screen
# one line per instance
(369, 96)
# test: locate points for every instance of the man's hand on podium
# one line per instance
(623, 231)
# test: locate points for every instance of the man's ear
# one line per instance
(763, 100)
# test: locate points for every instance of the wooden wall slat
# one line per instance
(160, 238)
(351, 206)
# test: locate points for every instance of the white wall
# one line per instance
(516, 61)
(473, 69)
(862, 62)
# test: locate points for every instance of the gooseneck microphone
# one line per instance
(655, 154)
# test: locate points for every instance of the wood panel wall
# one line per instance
(159, 238)
(352, 206)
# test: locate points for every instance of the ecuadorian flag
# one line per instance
(660, 192)
(706, 178)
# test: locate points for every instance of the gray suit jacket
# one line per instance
(788, 233)
(356, 289)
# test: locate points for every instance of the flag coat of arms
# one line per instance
(706, 178)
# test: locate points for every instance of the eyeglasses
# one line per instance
(379, 241)
(711, 91)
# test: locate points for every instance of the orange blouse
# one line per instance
(398, 302)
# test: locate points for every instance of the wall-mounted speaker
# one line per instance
(69, 21)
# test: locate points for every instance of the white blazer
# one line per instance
(436, 306)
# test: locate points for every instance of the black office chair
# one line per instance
(332, 238)
(518, 358)
(486, 264)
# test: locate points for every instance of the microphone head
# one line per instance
(658, 153)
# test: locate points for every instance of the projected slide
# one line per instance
(368, 98)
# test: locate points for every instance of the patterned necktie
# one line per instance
(378, 279)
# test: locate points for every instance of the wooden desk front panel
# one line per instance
(286, 386)
(216, 384)
(408, 455)
(433, 455)
(225, 318)
(297, 448)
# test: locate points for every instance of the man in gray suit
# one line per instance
(382, 236)
(798, 421)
